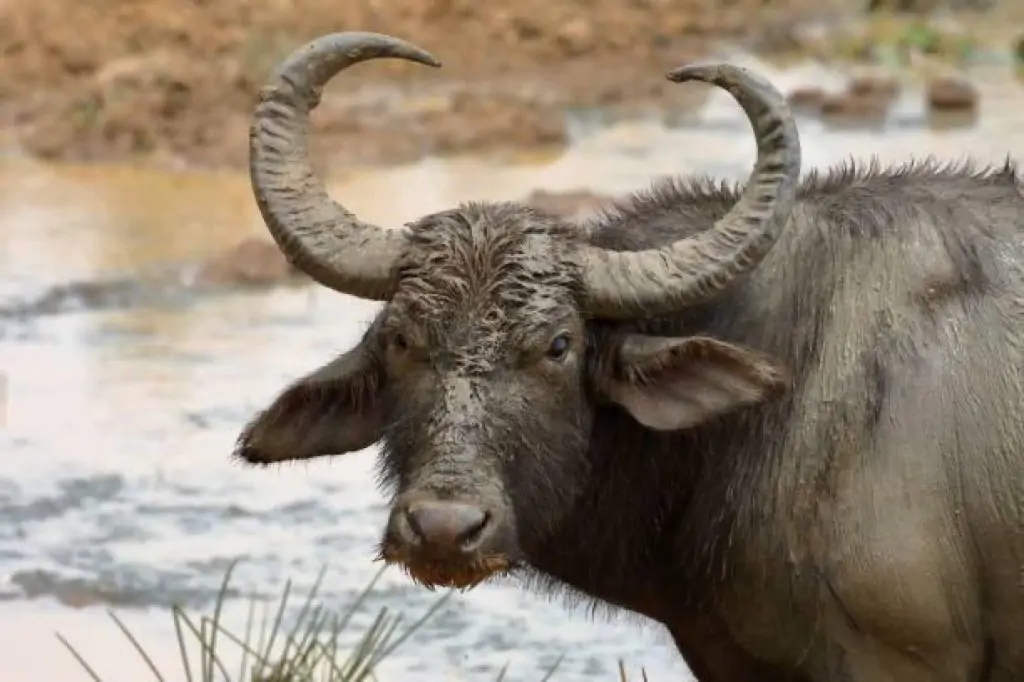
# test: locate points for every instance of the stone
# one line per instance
(951, 94)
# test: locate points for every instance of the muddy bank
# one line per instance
(172, 81)
(252, 264)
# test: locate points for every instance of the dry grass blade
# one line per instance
(358, 603)
(302, 649)
(221, 596)
(179, 635)
(247, 650)
(551, 671)
(138, 647)
(292, 663)
(625, 678)
(435, 607)
(243, 664)
(308, 652)
(277, 619)
(78, 657)
(361, 654)
(200, 635)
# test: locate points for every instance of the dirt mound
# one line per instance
(175, 79)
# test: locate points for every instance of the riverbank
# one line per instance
(171, 82)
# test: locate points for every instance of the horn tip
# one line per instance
(421, 56)
(695, 72)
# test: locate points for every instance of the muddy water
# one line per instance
(115, 486)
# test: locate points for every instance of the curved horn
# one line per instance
(316, 234)
(620, 284)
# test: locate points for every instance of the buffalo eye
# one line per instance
(399, 341)
(559, 347)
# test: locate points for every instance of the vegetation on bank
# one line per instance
(311, 650)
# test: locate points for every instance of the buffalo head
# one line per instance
(499, 336)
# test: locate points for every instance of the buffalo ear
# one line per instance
(676, 383)
(335, 410)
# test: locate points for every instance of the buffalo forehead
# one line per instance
(482, 281)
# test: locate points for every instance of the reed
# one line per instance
(310, 650)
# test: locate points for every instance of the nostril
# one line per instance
(414, 524)
(475, 528)
(446, 525)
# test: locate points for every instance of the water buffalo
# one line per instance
(783, 420)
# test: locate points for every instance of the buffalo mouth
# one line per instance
(448, 542)
(463, 573)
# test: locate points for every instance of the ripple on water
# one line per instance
(115, 483)
(137, 505)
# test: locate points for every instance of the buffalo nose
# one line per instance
(446, 525)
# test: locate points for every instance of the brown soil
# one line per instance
(174, 80)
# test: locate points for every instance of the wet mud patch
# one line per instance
(121, 591)
(251, 265)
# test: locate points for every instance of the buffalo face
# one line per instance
(481, 378)
(483, 372)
